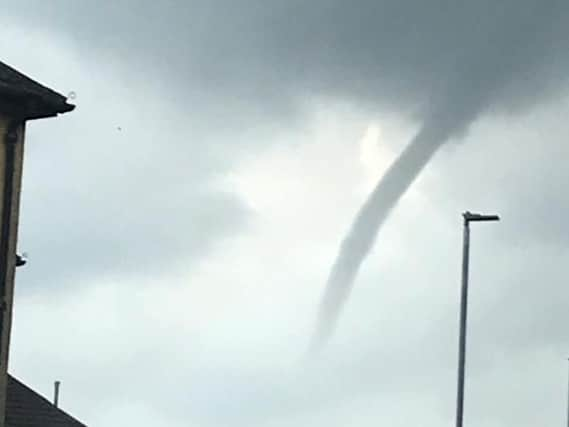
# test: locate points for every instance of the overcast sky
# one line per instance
(181, 223)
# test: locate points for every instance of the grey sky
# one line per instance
(387, 52)
(176, 264)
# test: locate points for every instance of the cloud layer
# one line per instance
(176, 264)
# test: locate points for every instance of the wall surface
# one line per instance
(8, 272)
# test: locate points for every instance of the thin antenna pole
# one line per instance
(56, 393)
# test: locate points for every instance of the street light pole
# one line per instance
(568, 404)
(463, 313)
(468, 218)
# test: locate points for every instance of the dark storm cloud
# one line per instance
(212, 57)
(393, 53)
(215, 60)
(439, 61)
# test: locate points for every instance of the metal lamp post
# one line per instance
(468, 218)
(568, 405)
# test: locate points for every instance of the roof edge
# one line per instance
(28, 99)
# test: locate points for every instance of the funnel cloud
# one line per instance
(450, 115)
(369, 219)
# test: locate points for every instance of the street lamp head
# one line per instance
(469, 217)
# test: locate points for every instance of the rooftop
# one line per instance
(26, 408)
(27, 99)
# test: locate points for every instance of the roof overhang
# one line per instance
(26, 99)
